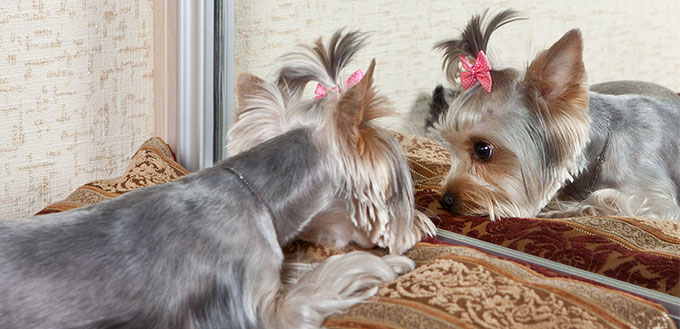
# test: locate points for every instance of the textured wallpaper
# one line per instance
(623, 39)
(76, 95)
(76, 76)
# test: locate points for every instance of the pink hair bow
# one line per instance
(481, 72)
(353, 79)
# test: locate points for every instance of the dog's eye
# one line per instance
(483, 150)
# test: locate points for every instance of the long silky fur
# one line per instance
(332, 287)
(381, 185)
(475, 37)
(265, 112)
(318, 63)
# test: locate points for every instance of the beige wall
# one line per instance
(624, 39)
(76, 95)
(77, 86)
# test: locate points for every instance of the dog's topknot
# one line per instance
(475, 37)
(319, 62)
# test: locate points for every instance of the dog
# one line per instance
(205, 251)
(538, 143)
(381, 182)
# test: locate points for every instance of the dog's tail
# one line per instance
(475, 37)
(332, 287)
(318, 63)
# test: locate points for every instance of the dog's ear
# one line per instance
(247, 85)
(556, 88)
(557, 75)
(359, 104)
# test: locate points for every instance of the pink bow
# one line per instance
(481, 72)
(353, 79)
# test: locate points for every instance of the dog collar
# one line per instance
(601, 157)
(253, 191)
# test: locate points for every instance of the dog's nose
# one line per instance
(447, 201)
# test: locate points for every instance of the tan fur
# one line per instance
(246, 84)
(552, 92)
(361, 104)
(382, 213)
(561, 95)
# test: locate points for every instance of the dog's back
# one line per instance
(638, 139)
(641, 88)
(645, 131)
(141, 260)
(651, 115)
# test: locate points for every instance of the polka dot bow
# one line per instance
(481, 72)
(321, 90)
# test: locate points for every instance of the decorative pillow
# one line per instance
(154, 163)
(460, 287)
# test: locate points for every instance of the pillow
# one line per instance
(460, 287)
(154, 163)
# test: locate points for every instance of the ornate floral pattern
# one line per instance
(460, 287)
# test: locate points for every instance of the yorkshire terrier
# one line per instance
(538, 143)
(205, 251)
(380, 186)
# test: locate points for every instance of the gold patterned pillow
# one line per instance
(154, 163)
(461, 287)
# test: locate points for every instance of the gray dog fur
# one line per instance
(632, 87)
(200, 252)
(642, 156)
(158, 256)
